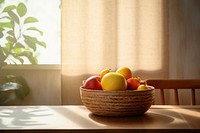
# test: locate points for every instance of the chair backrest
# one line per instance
(176, 84)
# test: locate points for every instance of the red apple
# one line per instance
(133, 83)
(93, 82)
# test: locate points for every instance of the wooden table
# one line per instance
(163, 118)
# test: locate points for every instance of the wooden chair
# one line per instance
(175, 85)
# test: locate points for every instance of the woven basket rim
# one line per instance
(150, 88)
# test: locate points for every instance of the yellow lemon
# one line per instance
(125, 71)
(113, 81)
(142, 87)
(104, 71)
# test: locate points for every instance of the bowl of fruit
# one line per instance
(116, 93)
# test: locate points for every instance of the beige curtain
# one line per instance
(98, 34)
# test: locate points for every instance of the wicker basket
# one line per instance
(117, 103)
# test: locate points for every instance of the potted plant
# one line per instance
(17, 44)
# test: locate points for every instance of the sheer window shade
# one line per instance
(111, 33)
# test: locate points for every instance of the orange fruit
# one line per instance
(125, 71)
(113, 81)
(104, 71)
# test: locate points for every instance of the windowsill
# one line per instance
(34, 67)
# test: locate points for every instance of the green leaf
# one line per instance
(35, 40)
(25, 88)
(9, 8)
(19, 94)
(10, 32)
(1, 32)
(6, 48)
(31, 44)
(26, 53)
(13, 16)
(1, 1)
(19, 45)
(6, 24)
(41, 43)
(30, 56)
(11, 96)
(21, 9)
(33, 59)
(35, 29)
(10, 39)
(17, 50)
(5, 17)
(9, 86)
(1, 29)
(2, 56)
(3, 100)
(11, 90)
(30, 20)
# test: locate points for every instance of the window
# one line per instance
(46, 28)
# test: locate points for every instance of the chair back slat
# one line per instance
(162, 95)
(193, 101)
(176, 96)
(175, 84)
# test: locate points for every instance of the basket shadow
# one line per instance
(150, 118)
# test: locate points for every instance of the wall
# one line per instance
(45, 85)
(184, 42)
(184, 38)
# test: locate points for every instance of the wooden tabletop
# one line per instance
(78, 118)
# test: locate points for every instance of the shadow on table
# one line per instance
(150, 119)
(20, 117)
